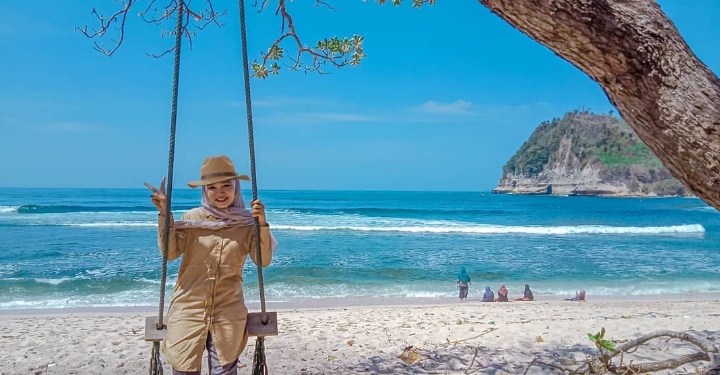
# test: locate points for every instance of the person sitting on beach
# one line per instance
(463, 284)
(502, 294)
(208, 309)
(579, 296)
(488, 296)
(527, 294)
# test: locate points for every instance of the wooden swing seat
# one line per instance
(254, 326)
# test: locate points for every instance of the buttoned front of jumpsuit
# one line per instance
(208, 296)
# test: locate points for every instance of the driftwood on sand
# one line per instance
(606, 362)
(613, 362)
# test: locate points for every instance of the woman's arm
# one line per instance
(177, 242)
(178, 239)
(266, 246)
(267, 243)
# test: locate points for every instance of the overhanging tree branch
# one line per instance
(105, 23)
(336, 52)
(152, 14)
(333, 51)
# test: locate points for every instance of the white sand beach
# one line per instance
(449, 337)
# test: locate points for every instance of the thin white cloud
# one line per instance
(280, 101)
(459, 111)
(458, 107)
(337, 117)
(317, 118)
(20, 25)
(69, 126)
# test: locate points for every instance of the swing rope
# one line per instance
(259, 362)
(156, 367)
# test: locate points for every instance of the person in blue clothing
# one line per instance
(463, 284)
(488, 296)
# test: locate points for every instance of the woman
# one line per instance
(579, 296)
(463, 284)
(502, 294)
(208, 310)
(488, 296)
(527, 294)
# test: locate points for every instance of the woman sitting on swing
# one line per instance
(208, 309)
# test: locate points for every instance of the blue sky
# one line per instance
(446, 95)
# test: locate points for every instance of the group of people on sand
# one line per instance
(463, 285)
(502, 294)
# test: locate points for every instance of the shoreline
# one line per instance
(367, 302)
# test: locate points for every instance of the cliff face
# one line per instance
(586, 154)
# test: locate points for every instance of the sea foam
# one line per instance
(8, 209)
(499, 229)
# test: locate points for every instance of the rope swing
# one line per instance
(155, 330)
(258, 324)
(259, 363)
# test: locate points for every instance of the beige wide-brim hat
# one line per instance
(215, 169)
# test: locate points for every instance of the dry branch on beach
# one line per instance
(603, 363)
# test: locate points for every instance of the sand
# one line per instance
(343, 338)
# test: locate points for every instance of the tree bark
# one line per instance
(630, 47)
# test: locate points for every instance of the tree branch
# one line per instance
(105, 23)
(604, 361)
(333, 51)
(151, 14)
(668, 364)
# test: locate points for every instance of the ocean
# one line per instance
(97, 247)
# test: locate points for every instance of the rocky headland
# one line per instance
(586, 154)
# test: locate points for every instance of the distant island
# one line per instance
(587, 154)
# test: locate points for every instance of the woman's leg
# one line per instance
(214, 366)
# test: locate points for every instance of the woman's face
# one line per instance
(221, 194)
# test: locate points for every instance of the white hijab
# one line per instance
(235, 215)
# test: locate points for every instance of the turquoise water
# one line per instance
(97, 247)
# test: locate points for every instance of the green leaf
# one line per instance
(259, 70)
(607, 344)
(275, 53)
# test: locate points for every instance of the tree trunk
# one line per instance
(630, 47)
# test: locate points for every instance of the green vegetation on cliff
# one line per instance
(603, 142)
